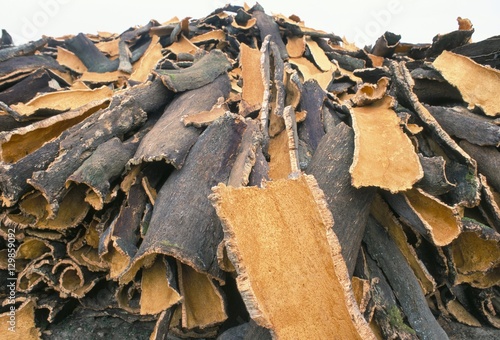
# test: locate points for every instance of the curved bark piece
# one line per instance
(267, 26)
(268, 260)
(18, 143)
(382, 248)
(311, 129)
(205, 118)
(112, 122)
(106, 163)
(318, 55)
(370, 93)
(157, 293)
(61, 101)
(490, 204)
(488, 161)
(383, 214)
(144, 66)
(449, 41)
(169, 140)
(386, 45)
(461, 169)
(71, 210)
(482, 52)
(124, 231)
(21, 50)
(34, 248)
(428, 216)
(70, 60)
(73, 280)
(244, 163)
(203, 304)
(203, 72)
(389, 162)
(89, 54)
(39, 81)
(387, 313)
(463, 73)
(27, 64)
(434, 181)
(461, 123)
(176, 229)
(476, 255)
(35, 140)
(350, 206)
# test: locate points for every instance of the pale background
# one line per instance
(418, 21)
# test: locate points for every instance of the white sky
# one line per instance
(418, 21)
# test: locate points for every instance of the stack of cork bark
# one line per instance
(245, 176)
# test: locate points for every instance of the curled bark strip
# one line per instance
(193, 235)
(382, 248)
(113, 122)
(203, 72)
(169, 140)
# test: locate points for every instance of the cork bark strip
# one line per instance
(383, 155)
(465, 74)
(291, 273)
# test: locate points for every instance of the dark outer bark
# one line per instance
(483, 52)
(349, 206)
(125, 229)
(203, 72)
(27, 88)
(13, 177)
(29, 63)
(488, 207)
(150, 96)
(434, 181)
(105, 163)
(124, 58)
(373, 74)
(22, 50)
(240, 173)
(84, 324)
(112, 122)
(267, 26)
(461, 123)
(311, 130)
(459, 331)
(488, 161)
(89, 54)
(435, 92)
(386, 305)
(467, 191)
(402, 208)
(386, 44)
(169, 140)
(403, 282)
(260, 170)
(448, 42)
(246, 331)
(8, 123)
(184, 224)
(346, 61)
